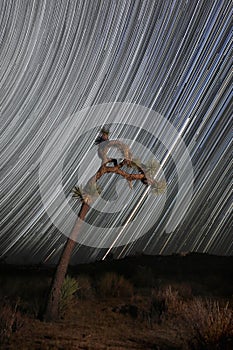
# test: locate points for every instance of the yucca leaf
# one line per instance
(158, 187)
(78, 192)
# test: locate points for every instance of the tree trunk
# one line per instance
(52, 307)
(51, 312)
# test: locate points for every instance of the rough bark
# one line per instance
(52, 307)
(117, 169)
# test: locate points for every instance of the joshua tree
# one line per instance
(88, 194)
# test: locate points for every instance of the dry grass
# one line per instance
(114, 285)
(86, 289)
(11, 320)
(209, 324)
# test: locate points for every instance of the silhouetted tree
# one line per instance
(87, 195)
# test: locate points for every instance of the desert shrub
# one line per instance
(67, 298)
(11, 319)
(171, 299)
(155, 311)
(33, 306)
(183, 289)
(31, 290)
(112, 284)
(86, 290)
(162, 304)
(32, 299)
(209, 325)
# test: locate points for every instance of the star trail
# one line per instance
(60, 58)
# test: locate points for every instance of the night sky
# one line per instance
(158, 73)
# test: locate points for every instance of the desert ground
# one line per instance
(181, 301)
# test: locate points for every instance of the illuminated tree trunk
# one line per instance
(52, 307)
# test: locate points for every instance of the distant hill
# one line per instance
(189, 263)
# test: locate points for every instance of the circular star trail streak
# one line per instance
(59, 57)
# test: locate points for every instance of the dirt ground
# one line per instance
(93, 325)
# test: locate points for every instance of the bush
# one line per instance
(10, 320)
(162, 303)
(85, 290)
(32, 301)
(183, 289)
(32, 291)
(155, 311)
(209, 325)
(67, 298)
(171, 299)
(112, 284)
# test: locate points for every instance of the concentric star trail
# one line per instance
(58, 58)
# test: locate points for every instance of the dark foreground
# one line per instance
(143, 302)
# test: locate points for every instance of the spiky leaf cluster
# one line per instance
(158, 187)
(78, 193)
(105, 130)
(100, 138)
(93, 189)
(88, 194)
(136, 162)
(152, 167)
